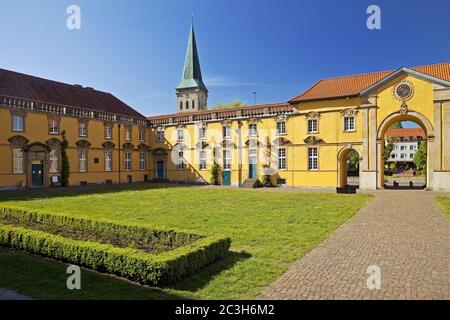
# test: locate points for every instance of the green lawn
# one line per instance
(445, 204)
(269, 230)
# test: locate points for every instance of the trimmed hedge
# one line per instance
(193, 253)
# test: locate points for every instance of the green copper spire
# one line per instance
(192, 75)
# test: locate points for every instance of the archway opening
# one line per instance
(349, 168)
(404, 155)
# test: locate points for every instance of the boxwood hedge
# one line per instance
(191, 251)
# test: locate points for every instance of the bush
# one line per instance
(215, 174)
(192, 252)
(266, 182)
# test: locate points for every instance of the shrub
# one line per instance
(215, 174)
(192, 252)
(65, 166)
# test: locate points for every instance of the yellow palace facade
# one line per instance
(303, 142)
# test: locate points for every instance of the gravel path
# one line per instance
(404, 233)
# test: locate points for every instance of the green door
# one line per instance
(37, 175)
(253, 164)
(226, 178)
(160, 170)
(252, 173)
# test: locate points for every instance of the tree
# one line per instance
(234, 104)
(65, 167)
(420, 158)
(353, 161)
(214, 174)
(388, 150)
(397, 125)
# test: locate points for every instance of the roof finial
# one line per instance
(192, 18)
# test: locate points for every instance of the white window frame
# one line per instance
(180, 160)
(202, 133)
(226, 132)
(108, 161)
(349, 123)
(142, 161)
(142, 135)
(202, 160)
(128, 159)
(18, 160)
(282, 159)
(127, 133)
(108, 132)
(253, 130)
(313, 125)
(82, 129)
(313, 158)
(160, 137)
(18, 123)
(227, 157)
(281, 128)
(180, 134)
(82, 161)
(54, 161)
(53, 126)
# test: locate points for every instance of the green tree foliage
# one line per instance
(388, 150)
(397, 125)
(65, 166)
(234, 104)
(353, 161)
(420, 158)
(214, 175)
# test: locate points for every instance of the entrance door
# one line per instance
(226, 178)
(253, 164)
(37, 175)
(160, 169)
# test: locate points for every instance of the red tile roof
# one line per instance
(406, 132)
(33, 88)
(349, 86)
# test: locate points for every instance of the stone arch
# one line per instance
(424, 123)
(342, 164)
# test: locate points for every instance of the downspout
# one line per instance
(119, 157)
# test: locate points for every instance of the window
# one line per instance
(349, 124)
(180, 134)
(202, 133)
(53, 126)
(127, 134)
(142, 135)
(82, 161)
(108, 132)
(313, 158)
(411, 148)
(226, 159)
(281, 127)
(17, 161)
(312, 126)
(142, 161)
(54, 161)
(193, 104)
(282, 159)
(127, 161)
(393, 156)
(180, 160)
(181, 105)
(108, 161)
(227, 132)
(202, 158)
(17, 123)
(402, 148)
(160, 136)
(187, 105)
(252, 130)
(82, 129)
(402, 156)
(411, 155)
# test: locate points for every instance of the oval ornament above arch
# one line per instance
(404, 90)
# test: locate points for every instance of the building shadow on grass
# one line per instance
(204, 276)
(43, 193)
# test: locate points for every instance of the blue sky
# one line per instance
(135, 49)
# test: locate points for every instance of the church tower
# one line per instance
(192, 94)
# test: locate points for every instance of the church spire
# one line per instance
(192, 74)
(192, 94)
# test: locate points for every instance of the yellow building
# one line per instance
(301, 143)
